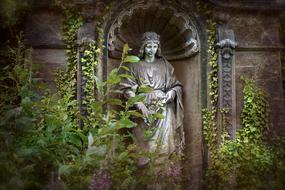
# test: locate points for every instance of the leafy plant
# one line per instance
(247, 161)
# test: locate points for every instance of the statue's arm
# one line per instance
(173, 86)
(129, 87)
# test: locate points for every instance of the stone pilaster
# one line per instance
(85, 36)
(226, 78)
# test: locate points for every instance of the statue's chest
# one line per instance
(153, 74)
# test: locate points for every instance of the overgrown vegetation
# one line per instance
(210, 113)
(43, 147)
(247, 161)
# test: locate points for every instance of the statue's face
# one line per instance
(150, 49)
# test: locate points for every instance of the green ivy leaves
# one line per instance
(247, 155)
(254, 114)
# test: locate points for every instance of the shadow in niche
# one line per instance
(180, 46)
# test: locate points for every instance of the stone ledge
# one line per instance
(273, 5)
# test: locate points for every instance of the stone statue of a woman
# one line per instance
(166, 97)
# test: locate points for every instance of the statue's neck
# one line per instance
(149, 59)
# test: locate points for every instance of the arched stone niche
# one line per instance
(178, 35)
(181, 41)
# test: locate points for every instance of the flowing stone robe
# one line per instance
(168, 136)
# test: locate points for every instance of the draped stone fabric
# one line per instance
(168, 135)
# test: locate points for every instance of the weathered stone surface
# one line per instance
(43, 3)
(255, 30)
(43, 29)
(265, 68)
(254, 5)
(86, 33)
(257, 56)
(47, 61)
(188, 73)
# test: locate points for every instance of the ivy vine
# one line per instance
(254, 114)
(209, 114)
(66, 82)
(244, 162)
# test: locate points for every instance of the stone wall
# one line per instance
(257, 56)
(43, 34)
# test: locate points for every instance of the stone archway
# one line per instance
(181, 44)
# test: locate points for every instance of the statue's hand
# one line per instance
(142, 108)
(170, 95)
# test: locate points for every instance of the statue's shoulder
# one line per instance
(168, 65)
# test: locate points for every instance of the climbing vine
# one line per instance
(209, 114)
(244, 161)
(254, 114)
(66, 82)
(93, 85)
(88, 64)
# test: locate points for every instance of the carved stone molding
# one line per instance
(86, 34)
(179, 37)
(226, 65)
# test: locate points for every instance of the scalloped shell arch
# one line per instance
(178, 35)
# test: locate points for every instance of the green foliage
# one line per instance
(89, 62)
(71, 24)
(247, 161)
(42, 146)
(213, 75)
(16, 117)
(240, 165)
(66, 80)
(254, 114)
(210, 129)
(209, 115)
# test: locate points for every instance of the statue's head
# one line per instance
(150, 43)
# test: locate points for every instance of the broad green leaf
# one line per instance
(127, 76)
(135, 113)
(74, 139)
(158, 116)
(113, 77)
(125, 123)
(131, 59)
(135, 99)
(145, 89)
(125, 68)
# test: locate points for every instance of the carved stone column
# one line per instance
(85, 36)
(226, 78)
